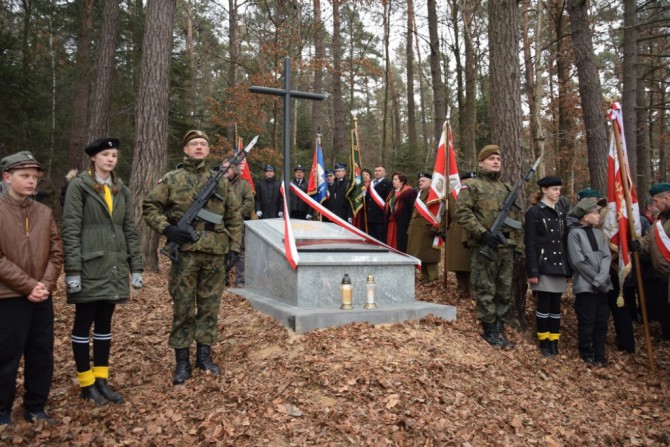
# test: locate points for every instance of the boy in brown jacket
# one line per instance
(31, 256)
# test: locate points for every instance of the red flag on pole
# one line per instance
(245, 173)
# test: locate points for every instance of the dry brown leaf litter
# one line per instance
(424, 383)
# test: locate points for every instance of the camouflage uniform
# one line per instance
(245, 195)
(476, 209)
(196, 281)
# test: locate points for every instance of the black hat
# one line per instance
(330, 172)
(425, 174)
(269, 167)
(550, 180)
(101, 144)
(467, 175)
(340, 166)
(299, 168)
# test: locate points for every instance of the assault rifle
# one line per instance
(503, 219)
(197, 208)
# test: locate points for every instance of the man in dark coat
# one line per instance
(375, 213)
(299, 209)
(269, 203)
(338, 202)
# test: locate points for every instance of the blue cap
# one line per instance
(299, 168)
(340, 166)
(330, 172)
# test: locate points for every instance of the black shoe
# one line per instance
(545, 348)
(107, 392)
(182, 370)
(5, 417)
(589, 360)
(553, 345)
(91, 393)
(36, 416)
(500, 332)
(203, 359)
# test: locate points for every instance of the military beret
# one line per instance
(487, 151)
(340, 166)
(299, 168)
(23, 159)
(330, 172)
(269, 167)
(467, 175)
(191, 134)
(585, 206)
(101, 144)
(550, 180)
(588, 192)
(659, 188)
(425, 174)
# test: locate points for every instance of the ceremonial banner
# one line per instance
(245, 173)
(355, 191)
(616, 223)
(317, 187)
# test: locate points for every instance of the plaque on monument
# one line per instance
(309, 297)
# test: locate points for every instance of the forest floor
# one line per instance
(424, 383)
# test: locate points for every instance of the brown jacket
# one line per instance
(421, 235)
(650, 247)
(31, 250)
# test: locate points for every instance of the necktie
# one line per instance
(108, 199)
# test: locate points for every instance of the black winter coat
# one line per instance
(297, 205)
(545, 234)
(268, 198)
(338, 202)
(374, 213)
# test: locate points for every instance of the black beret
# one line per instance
(550, 180)
(101, 144)
(467, 175)
(269, 167)
(425, 174)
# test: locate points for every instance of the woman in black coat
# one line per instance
(399, 207)
(546, 261)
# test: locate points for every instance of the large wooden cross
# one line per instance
(287, 93)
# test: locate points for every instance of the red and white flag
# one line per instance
(437, 193)
(245, 173)
(617, 221)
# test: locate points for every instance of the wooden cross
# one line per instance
(287, 93)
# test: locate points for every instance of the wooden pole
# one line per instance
(623, 171)
(446, 195)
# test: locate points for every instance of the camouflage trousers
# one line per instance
(492, 283)
(196, 283)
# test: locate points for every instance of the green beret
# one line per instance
(659, 188)
(588, 192)
(585, 206)
(487, 151)
(23, 159)
(191, 134)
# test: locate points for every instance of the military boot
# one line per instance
(107, 392)
(545, 348)
(182, 370)
(203, 359)
(490, 334)
(500, 333)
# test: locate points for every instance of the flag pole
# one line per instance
(446, 195)
(623, 171)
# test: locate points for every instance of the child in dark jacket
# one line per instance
(590, 259)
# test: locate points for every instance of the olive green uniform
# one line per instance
(476, 209)
(196, 281)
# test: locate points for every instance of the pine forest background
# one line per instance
(534, 76)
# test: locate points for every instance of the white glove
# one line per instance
(136, 280)
(308, 217)
(73, 283)
(281, 214)
(349, 220)
(259, 213)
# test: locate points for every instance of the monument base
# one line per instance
(301, 320)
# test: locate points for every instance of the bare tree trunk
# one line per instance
(77, 134)
(319, 58)
(422, 92)
(151, 119)
(629, 97)
(101, 99)
(643, 147)
(460, 90)
(470, 113)
(233, 54)
(436, 72)
(409, 53)
(591, 94)
(538, 131)
(387, 69)
(395, 108)
(529, 75)
(339, 131)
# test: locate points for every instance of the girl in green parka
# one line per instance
(101, 250)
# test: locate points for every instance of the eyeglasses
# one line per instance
(197, 143)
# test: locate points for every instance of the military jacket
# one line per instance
(421, 234)
(338, 202)
(174, 194)
(650, 247)
(244, 194)
(478, 206)
(545, 237)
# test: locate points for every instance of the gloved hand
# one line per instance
(231, 259)
(349, 220)
(280, 214)
(308, 217)
(259, 213)
(634, 245)
(176, 235)
(489, 239)
(73, 283)
(136, 280)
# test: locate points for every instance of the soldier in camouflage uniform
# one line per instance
(476, 209)
(196, 280)
(242, 190)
